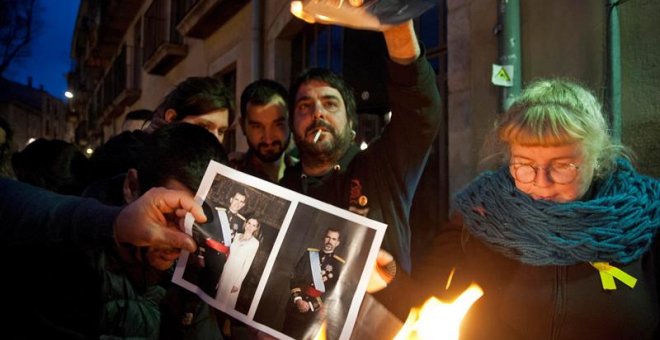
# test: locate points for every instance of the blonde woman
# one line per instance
(562, 237)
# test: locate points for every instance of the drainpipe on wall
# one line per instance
(257, 38)
(509, 17)
(613, 95)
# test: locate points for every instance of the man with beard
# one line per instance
(316, 274)
(380, 181)
(214, 242)
(264, 115)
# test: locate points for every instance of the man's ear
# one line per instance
(170, 115)
(131, 186)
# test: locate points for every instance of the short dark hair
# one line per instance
(332, 79)
(261, 92)
(117, 155)
(55, 165)
(142, 114)
(239, 190)
(178, 151)
(335, 229)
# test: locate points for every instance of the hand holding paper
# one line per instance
(375, 15)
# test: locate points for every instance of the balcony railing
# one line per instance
(163, 45)
(119, 88)
(202, 18)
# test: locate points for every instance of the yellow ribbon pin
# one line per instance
(608, 273)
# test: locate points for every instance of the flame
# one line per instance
(439, 320)
(321, 334)
(300, 10)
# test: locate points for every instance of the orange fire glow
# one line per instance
(437, 319)
(297, 9)
(321, 334)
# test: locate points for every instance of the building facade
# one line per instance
(33, 113)
(129, 54)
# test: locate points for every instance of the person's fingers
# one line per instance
(169, 254)
(383, 258)
(383, 273)
(179, 202)
(176, 239)
(181, 213)
(145, 221)
(376, 282)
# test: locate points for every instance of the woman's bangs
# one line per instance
(542, 126)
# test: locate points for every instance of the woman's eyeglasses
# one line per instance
(560, 173)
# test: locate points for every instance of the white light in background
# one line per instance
(68, 94)
(364, 145)
(89, 151)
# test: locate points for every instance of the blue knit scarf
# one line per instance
(617, 224)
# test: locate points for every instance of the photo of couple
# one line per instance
(276, 261)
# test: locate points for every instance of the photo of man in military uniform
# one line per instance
(236, 220)
(314, 277)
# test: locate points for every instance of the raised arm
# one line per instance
(402, 44)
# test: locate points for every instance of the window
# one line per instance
(317, 46)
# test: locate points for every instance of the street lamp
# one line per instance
(68, 94)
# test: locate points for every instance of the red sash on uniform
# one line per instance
(313, 292)
(218, 246)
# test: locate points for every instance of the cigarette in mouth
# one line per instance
(317, 135)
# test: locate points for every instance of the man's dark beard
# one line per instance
(268, 157)
(309, 152)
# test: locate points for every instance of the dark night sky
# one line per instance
(51, 49)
